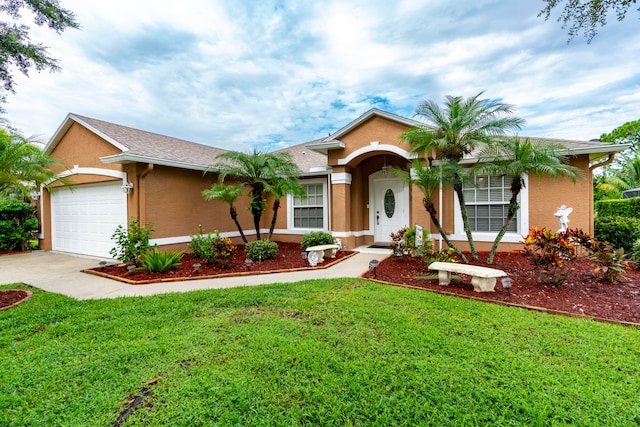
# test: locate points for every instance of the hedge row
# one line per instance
(628, 208)
(621, 232)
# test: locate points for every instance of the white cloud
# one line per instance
(244, 73)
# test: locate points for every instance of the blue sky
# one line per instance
(238, 74)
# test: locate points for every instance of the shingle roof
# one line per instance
(308, 161)
(154, 146)
(595, 149)
(141, 146)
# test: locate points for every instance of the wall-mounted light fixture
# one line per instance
(127, 187)
(35, 195)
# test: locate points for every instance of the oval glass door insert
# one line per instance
(389, 203)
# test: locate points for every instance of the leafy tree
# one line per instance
(622, 173)
(17, 49)
(427, 178)
(228, 194)
(626, 178)
(455, 130)
(516, 158)
(24, 167)
(260, 172)
(628, 133)
(580, 15)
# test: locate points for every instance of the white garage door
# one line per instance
(84, 220)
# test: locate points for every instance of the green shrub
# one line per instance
(160, 262)
(259, 250)
(628, 208)
(403, 242)
(212, 247)
(316, 238)
(445, 255)
(620, 232)
(202, 245)
(131, 244)
(635, 253)
(18, 225)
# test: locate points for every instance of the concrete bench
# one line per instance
(316, 254)
(483, 279)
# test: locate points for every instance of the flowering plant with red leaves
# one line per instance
(611, 262)
(552, 253)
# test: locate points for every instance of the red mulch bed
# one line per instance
(582, 294)
(287, 259)
(12, 297)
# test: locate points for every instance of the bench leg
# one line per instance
(315, 257)
(444, 277)
(330, 253)
(483, 284)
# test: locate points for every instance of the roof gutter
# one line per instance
(125, 158)
(610, 159)
(323, 147)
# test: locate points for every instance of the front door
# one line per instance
(391, 207)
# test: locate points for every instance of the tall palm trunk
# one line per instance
(256, 208)
(234, 216)
(516, 187)
(428, 205)
(276, 206)
(457, 187)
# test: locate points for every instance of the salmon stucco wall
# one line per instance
(377, 130)
(174, 204)
(547, 194)
(84, 148)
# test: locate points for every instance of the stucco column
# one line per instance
(341, 201)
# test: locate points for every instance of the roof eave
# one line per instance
(369, 114)
(318, 171)
(594, 153)
(66, 125)
(324, 147)
(125, 158)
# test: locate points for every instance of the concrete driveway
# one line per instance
(61, 273)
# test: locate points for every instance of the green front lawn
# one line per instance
(327, 352)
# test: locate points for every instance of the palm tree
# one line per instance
(516, 158)
(24, 166)
(279, 189)
(623, 179)
(427, 179)
(259, 171)
(228, 194)
(455, 130)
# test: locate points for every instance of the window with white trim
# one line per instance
(488, 203)
(309, 212)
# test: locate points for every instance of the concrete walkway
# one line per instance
(60, 273)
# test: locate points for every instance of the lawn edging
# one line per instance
(508, 304)
(29, 295)
(215, 276)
